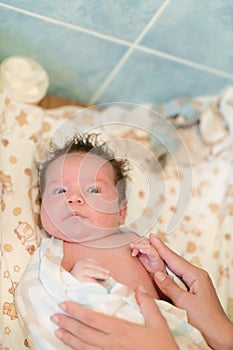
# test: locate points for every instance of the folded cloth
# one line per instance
(45, 284)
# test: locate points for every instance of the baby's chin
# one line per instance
(86, 235)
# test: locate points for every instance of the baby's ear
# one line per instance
(123, 212)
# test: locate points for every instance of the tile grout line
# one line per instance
(110, 76)
(151, 22)
(126, 43)
(68, 25)
(123, 59)
(184, 61)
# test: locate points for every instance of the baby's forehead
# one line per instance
(83, 157)
(85, 161)
(78, 156)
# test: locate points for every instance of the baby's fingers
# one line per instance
(135, 252)
(141, 243)
(147, 249)
(96, 273)
(89, 270)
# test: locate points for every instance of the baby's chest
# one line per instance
(127, 270)
(119, 261)
(122, 266)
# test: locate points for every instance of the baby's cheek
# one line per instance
(47, 221)
(111, 203)
(50, 215)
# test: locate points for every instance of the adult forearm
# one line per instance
(226, 340)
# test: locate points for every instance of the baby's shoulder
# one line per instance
(132, 234)
(129, 236)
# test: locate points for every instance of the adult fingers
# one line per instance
(93, 329)
(179, 266)
(168, 287)
(99, 321)
(74, 343)
(149, 309)
(77, 334)
(159, 335)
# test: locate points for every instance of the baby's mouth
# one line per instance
(77, 213)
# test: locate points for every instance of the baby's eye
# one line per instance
(60, 191)
(93, 190)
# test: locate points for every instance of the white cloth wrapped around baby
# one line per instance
(45, 284)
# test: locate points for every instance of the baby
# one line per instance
(83, 204)
(87, 256)
(83, 210)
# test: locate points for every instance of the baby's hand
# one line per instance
(148, 255)
(89, 270)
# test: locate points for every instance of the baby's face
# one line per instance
(80, 202)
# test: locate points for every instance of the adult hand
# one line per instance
(200, 300)
(89, 330)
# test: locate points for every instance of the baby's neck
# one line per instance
(115, 239)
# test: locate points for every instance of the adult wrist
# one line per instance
(226, 342)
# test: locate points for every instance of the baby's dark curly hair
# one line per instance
(89, 143)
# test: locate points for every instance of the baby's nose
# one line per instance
(75, 197)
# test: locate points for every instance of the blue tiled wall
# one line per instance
(136, 51)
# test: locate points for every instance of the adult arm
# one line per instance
(200, 300)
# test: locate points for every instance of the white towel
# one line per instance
(45, 284)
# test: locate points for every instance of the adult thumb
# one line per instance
(148, 307)
(170, 288)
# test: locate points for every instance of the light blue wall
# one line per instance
(126, 50)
